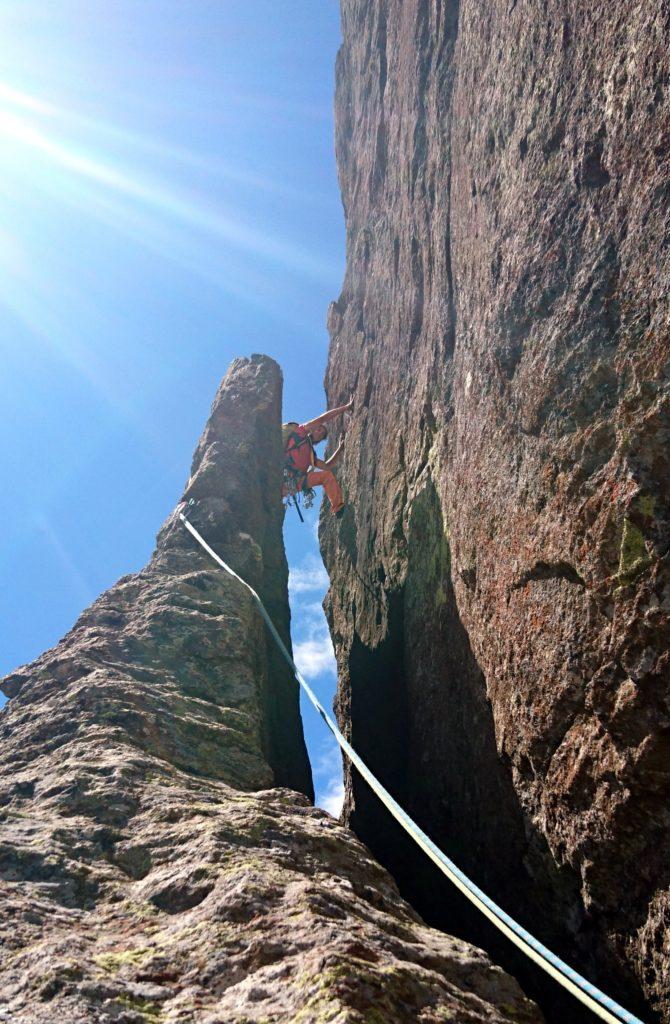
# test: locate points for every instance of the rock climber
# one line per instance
(303, 469)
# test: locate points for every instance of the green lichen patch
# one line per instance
(149, 1010)
(145, 911)
(633, 555)
(646, 503)
(368, 995)
(221, 933)
(112, 963)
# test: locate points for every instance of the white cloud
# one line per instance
(312, 647)
(314, 656)
(332, 798)
(309, 576)
(312, 610)
(328, 761)
(327, 764)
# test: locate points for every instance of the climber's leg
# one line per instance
(326, 479)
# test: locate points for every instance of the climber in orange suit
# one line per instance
(304, 465)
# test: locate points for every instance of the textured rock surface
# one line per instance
(500, 587)
(147, 871)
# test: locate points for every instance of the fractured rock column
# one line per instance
(148, 871)
(175, 639)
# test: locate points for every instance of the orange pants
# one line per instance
(326, 478)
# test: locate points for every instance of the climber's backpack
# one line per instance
(295, 480)
(292, 440)
(287, 429)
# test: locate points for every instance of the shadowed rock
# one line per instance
(501, 581)
(148, 871)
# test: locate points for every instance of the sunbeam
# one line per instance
(212, 166)
(168, 202)
(188, 211)
(72, 575)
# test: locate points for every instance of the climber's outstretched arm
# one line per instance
(330, 415)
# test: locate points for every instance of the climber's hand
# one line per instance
(336, 454)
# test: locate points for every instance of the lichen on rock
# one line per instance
(633, 555)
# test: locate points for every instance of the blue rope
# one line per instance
(604, 1007)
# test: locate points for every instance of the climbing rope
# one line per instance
(604, 1007)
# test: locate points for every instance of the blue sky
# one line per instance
(169, 200)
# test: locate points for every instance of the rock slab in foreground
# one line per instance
(148, 871)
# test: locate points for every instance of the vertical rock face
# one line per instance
(500, 591)
(148, 872)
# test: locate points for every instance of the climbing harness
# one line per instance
(295, 486)
(604, 1007)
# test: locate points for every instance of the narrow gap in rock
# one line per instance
(313, 651)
